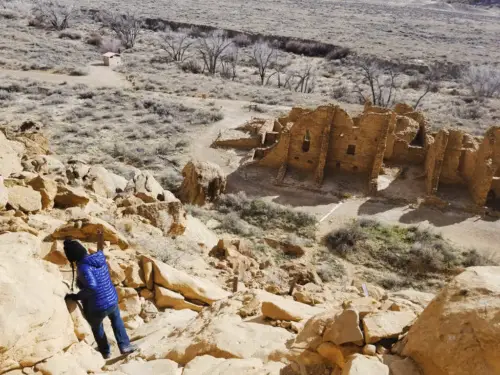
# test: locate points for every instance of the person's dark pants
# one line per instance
(95, 319)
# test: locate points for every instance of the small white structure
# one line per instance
(111, 59)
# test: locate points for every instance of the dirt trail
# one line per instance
(99, 76)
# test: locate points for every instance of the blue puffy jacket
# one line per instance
(97, 290)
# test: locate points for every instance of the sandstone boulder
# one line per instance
(203, 182)
(4, 194)
(168, 216)
(15, 224)
(158, 367)
(458, 333)
(47, 188)
(86, 230)
(70, 197)
(363, 305)
(344, 329)
(144, 186)
(134, 277)
(10, 157)
(279, 308)
(130, 307)
(208, 365)
(24, 199)
(218, 331)
(96, 178)
(361, 365)
(336, 354)
(167, 298)
(82, 328)
(386, 324)
(311, 336)
(34, 320)
(405, 366)
(190, 287)
(286, 247)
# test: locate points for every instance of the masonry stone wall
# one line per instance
(327, 140)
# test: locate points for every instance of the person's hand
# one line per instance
(71, 297)
(100, 238)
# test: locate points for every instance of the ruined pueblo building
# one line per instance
(327, 141)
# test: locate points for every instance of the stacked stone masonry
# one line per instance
(327, 140)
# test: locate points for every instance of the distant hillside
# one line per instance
(475, 2)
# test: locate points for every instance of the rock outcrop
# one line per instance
(144, 186)
(86, 230)
(34, 320)
(24, 199)
(190, 287)
(203, 182)
(459, 332)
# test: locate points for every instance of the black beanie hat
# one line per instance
(74, 250)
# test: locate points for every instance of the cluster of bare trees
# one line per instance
(52, 13)
(220, 54)
(125, 26)
(482, 80)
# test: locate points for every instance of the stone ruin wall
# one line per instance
(401, 136)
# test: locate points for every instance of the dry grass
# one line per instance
(411, 255)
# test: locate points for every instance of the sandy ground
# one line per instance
(98, 76)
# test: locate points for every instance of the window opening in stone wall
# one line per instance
(351, 150)
(355, 168)
(337, 164)
(310, 161)
(419, 140)
(306, 143)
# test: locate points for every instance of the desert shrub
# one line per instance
(86, 95)
(191, 66)
(176, 44)
(331, 271)
(338, 53)
(472, 111)
(409, 253)
(483, 80)
(340, 92)
(268, 215)
(110, 45)
(307, 48)
(415, 84)
(242, 40)
(5, 95)
(69, 34)
(94, 39)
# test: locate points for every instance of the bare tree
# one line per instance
(302, 80)
(229, 61)
(432, 81)
(263, 56)
(482, 80)
(126, 26)
(53, 13)
(211, 48)
(177, 43)
(279, 68)
(380, 81)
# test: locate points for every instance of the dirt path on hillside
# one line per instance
(98, 76)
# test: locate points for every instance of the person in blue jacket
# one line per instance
(98, 296)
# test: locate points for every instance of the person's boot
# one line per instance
(129, 349)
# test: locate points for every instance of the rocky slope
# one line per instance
(185, 318)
